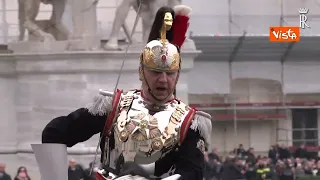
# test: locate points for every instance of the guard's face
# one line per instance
(161, 84)
(168, 20)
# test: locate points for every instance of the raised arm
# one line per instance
(79, 125)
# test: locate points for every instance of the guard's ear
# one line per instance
(141, 77)
(178, 76)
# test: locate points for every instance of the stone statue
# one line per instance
(147, 13)
(43, 30)
(84, 18)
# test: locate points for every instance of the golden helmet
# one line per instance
(160, 55)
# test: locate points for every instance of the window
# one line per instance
(305, 127)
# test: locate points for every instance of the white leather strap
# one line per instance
(173, 177)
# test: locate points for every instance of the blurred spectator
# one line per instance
(75, 171)
(251, 173)
(3, 174)
(22, 174)
(273, 154)
(250, 155)
(208, 173)
(214, 154)
(89, 176)
(286, 172)
(299, 171)
(284, 152)
(263, 171)
(232, 169)
(301, 152)
(241, 152)
(308, 168)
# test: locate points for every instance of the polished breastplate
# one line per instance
(145, 132)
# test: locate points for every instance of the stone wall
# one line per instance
(217, 73)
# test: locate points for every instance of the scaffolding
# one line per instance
(233, 109)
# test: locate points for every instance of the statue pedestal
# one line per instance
(42, 86)
(85, 43)
(38, 47)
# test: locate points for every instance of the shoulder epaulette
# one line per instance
(202, 124)
(101, 104)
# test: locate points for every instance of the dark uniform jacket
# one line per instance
(5, 176)
(81, 125)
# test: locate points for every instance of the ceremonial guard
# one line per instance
(145, 132)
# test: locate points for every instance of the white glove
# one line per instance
(130, 177)
(173, 177)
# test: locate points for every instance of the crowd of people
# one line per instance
(280, 164)
(75, 172)
(240, 164)
(22, 173)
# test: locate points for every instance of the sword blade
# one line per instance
(118, 79)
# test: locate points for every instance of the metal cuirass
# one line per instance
(143, 132)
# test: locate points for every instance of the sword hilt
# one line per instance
(106, 93)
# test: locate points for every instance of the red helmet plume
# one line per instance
(180, 24)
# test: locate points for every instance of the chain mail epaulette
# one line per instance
(202, 124)
(101, 104)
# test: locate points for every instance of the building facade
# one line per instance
(259, 93)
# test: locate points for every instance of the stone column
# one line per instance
(188, 54)
(187, 65)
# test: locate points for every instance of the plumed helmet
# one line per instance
(160, 55)
(167, 35)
